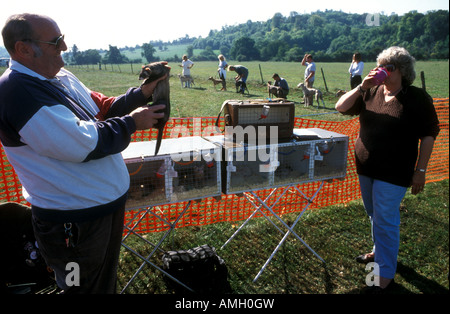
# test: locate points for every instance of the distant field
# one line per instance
(338, 233)
(169, 53)
(173, 50)
(204, 100)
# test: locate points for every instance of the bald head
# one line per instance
(30, 39)
(19, 27)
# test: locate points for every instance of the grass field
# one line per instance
(172, 50)
(204, 100)
(337, 233)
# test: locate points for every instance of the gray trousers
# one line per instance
(95, 250)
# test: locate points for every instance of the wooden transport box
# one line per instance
(310, 155)
(261, 114)
(185, 169)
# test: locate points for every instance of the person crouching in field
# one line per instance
(241, 77)
(280, 88)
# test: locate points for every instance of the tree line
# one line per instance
(331, 36)
(111, 56)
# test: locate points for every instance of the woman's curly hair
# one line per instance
(402, 60)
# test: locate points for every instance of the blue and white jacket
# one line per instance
(66, 146)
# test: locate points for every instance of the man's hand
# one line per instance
(145, 117)
(148, 89)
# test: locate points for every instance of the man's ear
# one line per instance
(23, 50)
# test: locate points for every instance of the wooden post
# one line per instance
(260, 72)
(323, 75)
(422, 77)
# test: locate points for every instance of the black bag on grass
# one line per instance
(22, 268)
(199, 268)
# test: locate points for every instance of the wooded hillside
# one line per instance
(332, 36)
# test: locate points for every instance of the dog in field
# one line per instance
(273, 91)
(186, 80)
(215, 81)
(307, 92)
(340, 92)
(241, 87)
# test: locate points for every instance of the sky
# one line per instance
(96, 24)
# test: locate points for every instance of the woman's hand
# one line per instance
(418, 182)
(368, 81)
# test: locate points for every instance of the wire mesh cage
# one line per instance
(310, 155)
(294, 163)
(327, 153)
(185, 169)
(254, 115)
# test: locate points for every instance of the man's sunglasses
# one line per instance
(57, 42)
(388, 67)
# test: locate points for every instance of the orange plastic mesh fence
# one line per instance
(234, 207)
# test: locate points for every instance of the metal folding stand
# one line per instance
(184, 170)
(263, 203)
(140, 215)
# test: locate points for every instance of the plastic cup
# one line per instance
(380, 76)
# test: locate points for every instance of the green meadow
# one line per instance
(203, 100)
(337, 233)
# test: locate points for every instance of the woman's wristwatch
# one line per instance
(421, 170)
(360, 89)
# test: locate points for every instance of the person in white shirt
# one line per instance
(310, 73)
(223, 71)
(186, 64)
(356, 70)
